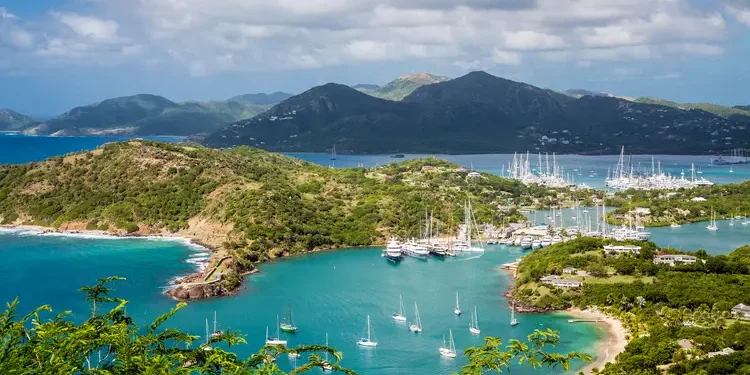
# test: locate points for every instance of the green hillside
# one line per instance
(402, 86)
(716, 109)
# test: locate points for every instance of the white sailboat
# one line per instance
(217, 332)
(367, 341)
(713, 225)
(457, 310)
(474, 327)
(513, 320)
(449, 351)
(277, 339)
(399, 317)
(417, 326)
(206, 345)
(731, 222)
(327, 365)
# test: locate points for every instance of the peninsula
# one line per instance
(246, 204)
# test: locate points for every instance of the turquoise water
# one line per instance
(17, 149)
(331, 292)
(688, 237)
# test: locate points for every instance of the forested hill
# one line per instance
(245, 198)
(481, 113)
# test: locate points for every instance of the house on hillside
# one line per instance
(725, 351)
(570, 270)
(741, 311)
(618, 249)
(559, 282)
(673, 259)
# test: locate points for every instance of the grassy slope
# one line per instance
(263, 204)
(708, 107)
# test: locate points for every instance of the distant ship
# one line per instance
(398, 156)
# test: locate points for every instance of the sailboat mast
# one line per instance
(214, 321)
(368, 328)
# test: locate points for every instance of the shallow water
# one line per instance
(331, 292)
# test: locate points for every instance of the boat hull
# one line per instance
(447, 353)
(367, 344)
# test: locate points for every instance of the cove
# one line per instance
(331, 292)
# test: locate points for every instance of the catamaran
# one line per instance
(713, 225)
(450, 351)
(457, 310)
(217, 332)
(417, 326)
(288, 326)
(399, 317)
(277, 339)
(474, 327)
(206, 345)
(513, 320)
(367, 341)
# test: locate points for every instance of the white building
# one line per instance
(725, 351)
(570, 270)
(741, 311)
(559, 282)
(617, 249)
(673, 259)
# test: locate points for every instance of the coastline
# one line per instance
(611, 346)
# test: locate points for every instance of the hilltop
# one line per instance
(403, 86)
(248, 204)
(146, 114)
(481, 113)
(716, 109)
(11, 120)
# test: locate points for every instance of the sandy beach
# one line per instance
(612, 345)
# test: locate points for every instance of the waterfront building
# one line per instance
(673, 259)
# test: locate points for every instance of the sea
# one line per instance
(331, 292)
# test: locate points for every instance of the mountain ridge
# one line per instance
(11, 120)
(480, 113)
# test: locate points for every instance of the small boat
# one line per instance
(731, 222)
(217, 332)
(457, 310)
(275, 340)
(450, 351)
(513, 320)
(417, 326)
(207, 345)
(474, 327)
(509, 242)
(398, 156)
(293, 355)
(289, 326)
(526, 243)
(713, 226)
(536, 244)
(327, 365)
(675, 225)
(399, 317)
(546, 241)
(731, 169)
(745, 222)
(367, 341)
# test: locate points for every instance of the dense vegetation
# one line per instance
(401, 87)
(480, 113)
(255, 204)
(659, 305)
(708, 107)
(668, 207)
(110, 343)
(152, 115)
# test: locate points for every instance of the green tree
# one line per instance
(493, 358)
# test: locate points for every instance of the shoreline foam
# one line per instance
(611, 346)
(199, 258)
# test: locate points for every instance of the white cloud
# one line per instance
(12, 33)
(261, 35)
(741, 13)
(501, 57)
(95, 29)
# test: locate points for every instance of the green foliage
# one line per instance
(111, 344)
(708, 107)
(491, 358)
(401, 87)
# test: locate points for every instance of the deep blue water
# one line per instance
(17, 149)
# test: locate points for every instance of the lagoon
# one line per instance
(331, 292)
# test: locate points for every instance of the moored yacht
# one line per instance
(393, 252)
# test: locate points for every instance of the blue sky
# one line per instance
(57, 54)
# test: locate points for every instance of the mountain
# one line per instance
(261, 98)
(365, 88)
(481, 113)
(403, 86)
(146, 114)
(716, 109)
(11, 120)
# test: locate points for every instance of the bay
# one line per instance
(331, 292)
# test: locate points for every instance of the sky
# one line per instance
(58, 54)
